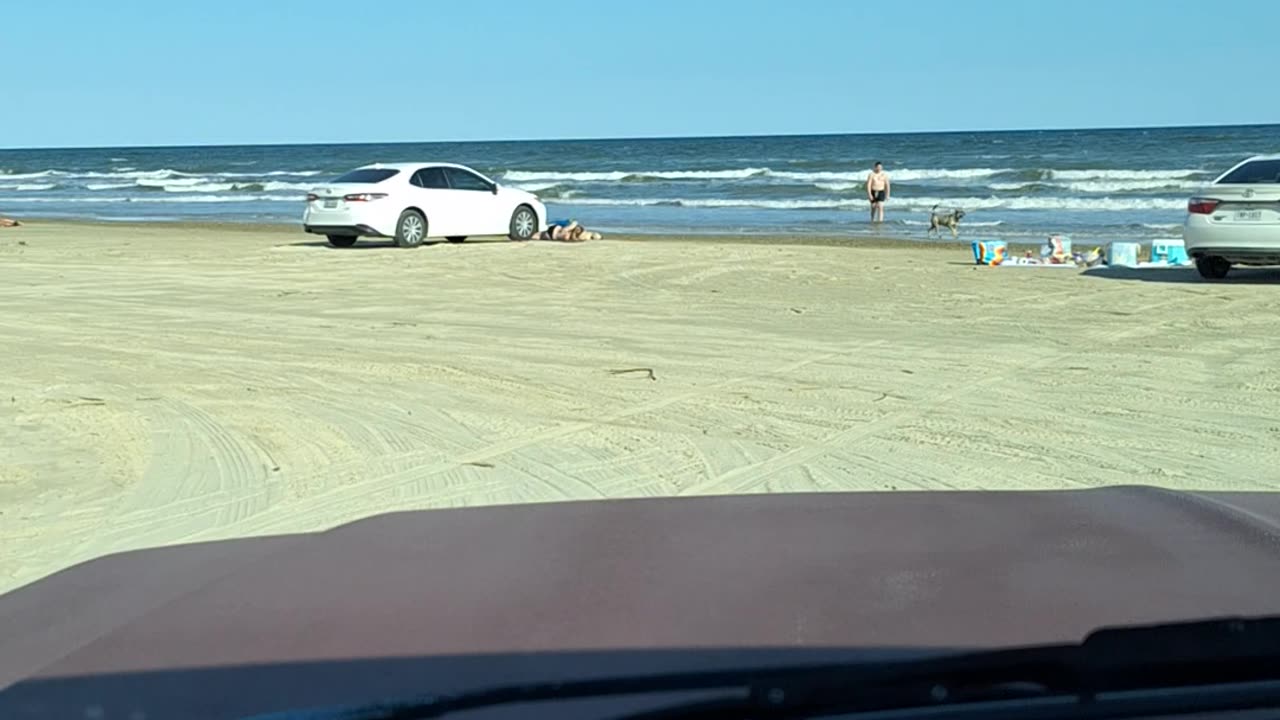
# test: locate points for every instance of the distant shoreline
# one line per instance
(477, 141)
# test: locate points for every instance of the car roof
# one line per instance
(411, 165)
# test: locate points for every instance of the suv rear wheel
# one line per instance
(1213, 267)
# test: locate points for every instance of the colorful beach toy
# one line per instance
(989, 252)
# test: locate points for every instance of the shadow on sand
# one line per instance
(362, 245)
(1186, 275)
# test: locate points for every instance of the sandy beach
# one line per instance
(171, 384)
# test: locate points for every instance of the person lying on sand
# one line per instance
(568, 231)
(6, 222)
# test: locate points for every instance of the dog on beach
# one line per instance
(945, 219)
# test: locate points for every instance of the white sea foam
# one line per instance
(535, 186)
(741, 174)
(273, 173)
(1125, 174)
(1099, 186)
(902, 174)
(531, 175)
(172, 184)
(280, 186)
(32, 176)
(1105, 186)
(853, 176)
(167, 198)
(28, 187)
(1110, 204)
(907, 203)
(620, 175)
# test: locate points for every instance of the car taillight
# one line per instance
(364, 197)
(312, 197)
(1202, 206)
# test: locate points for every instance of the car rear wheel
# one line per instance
(411, 229)
(1212, 267)
(524, 223)
(457, 238)
(342, 240)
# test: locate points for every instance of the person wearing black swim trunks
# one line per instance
(877, 191)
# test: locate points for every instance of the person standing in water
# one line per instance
(877, 191)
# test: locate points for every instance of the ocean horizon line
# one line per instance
(648, 138)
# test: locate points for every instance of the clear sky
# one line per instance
(160, 72)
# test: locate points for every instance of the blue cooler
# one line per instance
(1173, 252)
(989, 252)
(1123, 254)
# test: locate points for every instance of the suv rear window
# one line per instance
(366, 175)
(1251, 173)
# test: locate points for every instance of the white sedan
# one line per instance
(1236, 219)
(411, 202)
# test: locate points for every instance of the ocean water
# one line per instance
(1092, 184)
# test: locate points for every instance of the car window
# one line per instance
(1251, 173)
(367, 175)
(463, 180)
(431, 178)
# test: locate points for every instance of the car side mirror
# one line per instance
(494, 188)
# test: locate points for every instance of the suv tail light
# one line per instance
(312, 197)
(1202, 206)
(364, 197)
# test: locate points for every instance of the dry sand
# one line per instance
(172, 384)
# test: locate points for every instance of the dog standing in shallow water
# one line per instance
(946, 219)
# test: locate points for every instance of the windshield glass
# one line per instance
(1257, 171)
(366, 175)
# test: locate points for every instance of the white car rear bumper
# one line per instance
(1240, 243)
(368, 219)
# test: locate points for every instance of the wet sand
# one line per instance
(180, 383)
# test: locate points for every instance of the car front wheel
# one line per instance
(342, 241)
(1212, 267)
(524, 223)
(411, 229)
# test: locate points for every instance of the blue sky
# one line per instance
(160, 72)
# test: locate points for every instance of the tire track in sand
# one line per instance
(390, 479)
(199, 469)
(386, 481)
(743, 478)
(390, 473)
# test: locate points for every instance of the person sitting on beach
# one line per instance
(567, 231)
(6, 222)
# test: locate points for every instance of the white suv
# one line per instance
(1236, 219)
(411, 202)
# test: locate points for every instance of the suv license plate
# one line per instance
(331, 203)
(1248, 215)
